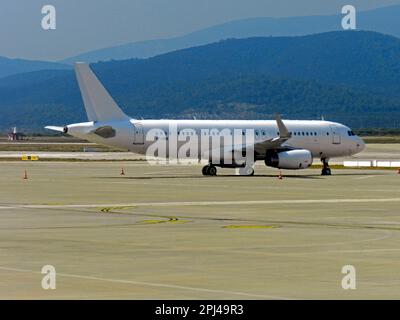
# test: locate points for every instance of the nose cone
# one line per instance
(360, 144)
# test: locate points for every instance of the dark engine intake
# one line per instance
(290, 159)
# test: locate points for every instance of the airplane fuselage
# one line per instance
(289, 144)
(324, 139)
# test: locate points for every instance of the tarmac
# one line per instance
(167, 232)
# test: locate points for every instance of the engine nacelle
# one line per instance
(290, 159)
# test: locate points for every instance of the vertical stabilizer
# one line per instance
(99, 105)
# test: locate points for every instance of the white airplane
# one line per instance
(291, 144)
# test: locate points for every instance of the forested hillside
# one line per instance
(351, 77)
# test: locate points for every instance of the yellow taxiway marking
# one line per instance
(248, 227)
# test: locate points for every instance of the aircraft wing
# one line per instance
(261, 147)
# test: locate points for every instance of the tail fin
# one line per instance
(99, 105)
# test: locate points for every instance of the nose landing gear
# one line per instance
(326, 171)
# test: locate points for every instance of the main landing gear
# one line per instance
(209, 170)
(326, 171)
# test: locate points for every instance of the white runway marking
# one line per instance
(151, 284)
(387, 235)
(366, 177)
(315, 252)
(201, 203)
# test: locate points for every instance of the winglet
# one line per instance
(283, 131)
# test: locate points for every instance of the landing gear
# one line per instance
(209, 170)
(245, 171)
(326, 171)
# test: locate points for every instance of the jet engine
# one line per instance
(289, 159)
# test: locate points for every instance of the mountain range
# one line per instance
(14, 66)
(384, 20)
(351, 77)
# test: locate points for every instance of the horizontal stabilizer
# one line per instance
(55, 128)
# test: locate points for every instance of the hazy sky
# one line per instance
(84, 25)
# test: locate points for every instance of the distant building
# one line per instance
(15, 135)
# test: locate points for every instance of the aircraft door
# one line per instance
(138, 134)
(336, 138)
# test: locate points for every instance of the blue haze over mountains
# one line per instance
(385, 20)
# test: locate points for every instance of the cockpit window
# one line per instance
(351, 133)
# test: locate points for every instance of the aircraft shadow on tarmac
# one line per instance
(214, 177)
(275, 176)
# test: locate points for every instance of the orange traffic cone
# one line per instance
(122, 172)
(25, 175)
(280, 177)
